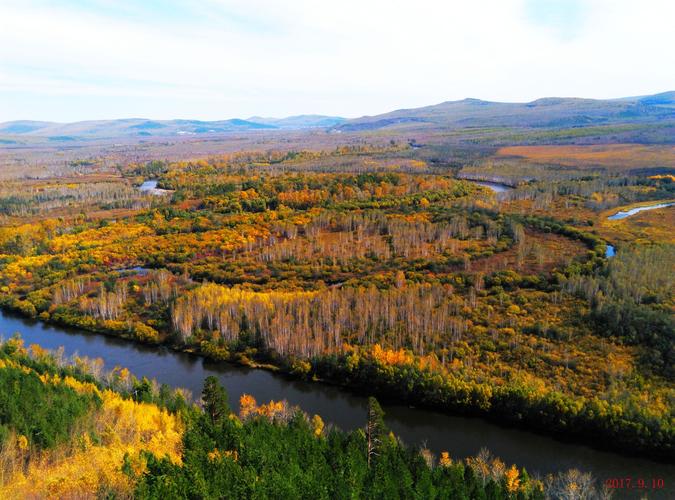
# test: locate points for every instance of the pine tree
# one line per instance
(214, 396)
(375, 430)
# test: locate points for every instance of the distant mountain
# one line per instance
(22, 126)
(300, 121)
(546, 112)
(135, 127)
(663, 99)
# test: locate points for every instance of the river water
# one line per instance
(633, 211)
(461, 436)
(611, 251)
(150, 187)
(496, 187)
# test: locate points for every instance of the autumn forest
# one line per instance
(474, 272)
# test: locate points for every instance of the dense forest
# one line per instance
(377, 266)
(108, 434)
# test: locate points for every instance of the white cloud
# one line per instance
(223, 58)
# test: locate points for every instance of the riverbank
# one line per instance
(440, 388)
(462, 436)
(648, 222)
(491, 179)
(589, 422)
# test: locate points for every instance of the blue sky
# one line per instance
(73, 60)
(565, 17)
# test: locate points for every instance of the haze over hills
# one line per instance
(548, 112)
(299, 121)
(138, 127)
(545, 112)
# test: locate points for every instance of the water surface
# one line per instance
(461, 436)
(495, 186)
(633, 211)
(150, 186)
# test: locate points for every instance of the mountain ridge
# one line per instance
(134, 127)
(464, 113)
(542, 112)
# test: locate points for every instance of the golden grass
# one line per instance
(540, 252)
(616, 157)
(650, 226)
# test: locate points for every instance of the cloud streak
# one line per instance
(222, 58)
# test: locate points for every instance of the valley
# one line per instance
(467, 284)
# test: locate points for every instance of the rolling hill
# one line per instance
(549, 112)
(139, 127)
(545, 112)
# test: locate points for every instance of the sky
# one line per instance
(71, 60)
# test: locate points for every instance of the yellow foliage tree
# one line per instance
(512, 479)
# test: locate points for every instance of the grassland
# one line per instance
(650, 226)
(613, 158)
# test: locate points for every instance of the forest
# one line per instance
(374, 265)
(294, 249)
(111, 435)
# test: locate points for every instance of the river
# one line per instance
(496, 187)
(633, 211)
(461, 436)
(611, 251)
(150, 187)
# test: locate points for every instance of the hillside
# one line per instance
(545, 112)
(300, 121)
(140, 127)
(94, 435)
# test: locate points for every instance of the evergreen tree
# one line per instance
(214, 396)
(375, 429)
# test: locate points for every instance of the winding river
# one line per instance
(623, 214)
(610, 250)
(461, 436)
(495, 186)
(150, 186)
(627, 213)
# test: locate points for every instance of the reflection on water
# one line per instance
(138, 270)
(150, 186)
(496, 187)
(633, 211)
(459, 435)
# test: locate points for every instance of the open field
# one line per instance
(650, 226)
(613, 158)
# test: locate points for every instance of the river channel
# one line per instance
(461, 436)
